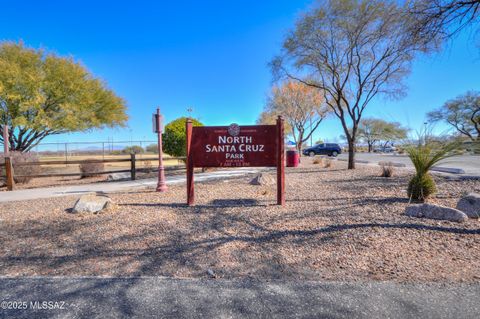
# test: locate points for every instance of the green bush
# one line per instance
(175, 139)
(424, 156)
(421, 187)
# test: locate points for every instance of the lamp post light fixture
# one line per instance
(157, 126)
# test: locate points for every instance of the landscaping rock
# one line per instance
(91, 204)
(435, 212)
(264, 180)
(470, 205)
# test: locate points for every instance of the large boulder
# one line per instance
(91, 204)
(264, 180)
(470, 205)
(435, 212)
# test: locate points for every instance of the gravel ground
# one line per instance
(337, 225)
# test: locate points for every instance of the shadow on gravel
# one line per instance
(359, 201)
(179, 250)
(225, 203)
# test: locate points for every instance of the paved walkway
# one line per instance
(154, 297)
(109, 187)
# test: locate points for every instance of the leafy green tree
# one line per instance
(43, 94)
(134, 149)
(175, 138)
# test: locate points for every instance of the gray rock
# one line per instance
(264, 180)
(435, 212)
(91, 204)
(470, 205)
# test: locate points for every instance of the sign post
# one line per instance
(235, 146)
(190, 189)
(157, 123)
(5, 140)
(280, 163)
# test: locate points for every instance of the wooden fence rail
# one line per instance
(10, 175)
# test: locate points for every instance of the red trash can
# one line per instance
(293, 158)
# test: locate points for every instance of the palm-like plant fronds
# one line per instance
(424, 156)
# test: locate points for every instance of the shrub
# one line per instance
(387, 169)
(90, 169)
(19, 157)
(135, 149)
(328, 163)
(147, 166)
(424, 156)
(317, 160)
(175, 137)
(421, 187)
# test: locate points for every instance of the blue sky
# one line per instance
(209, 55)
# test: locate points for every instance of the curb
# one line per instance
(448, 170)
(356, 161)
(392, 163)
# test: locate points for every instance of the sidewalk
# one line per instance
(110, 187)
(157, 297)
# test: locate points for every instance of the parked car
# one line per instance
(385, 149)
(330, 149)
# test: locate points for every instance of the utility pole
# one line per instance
(161, 185)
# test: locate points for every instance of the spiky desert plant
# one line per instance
(424, 156)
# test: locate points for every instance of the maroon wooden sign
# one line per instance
(236, 146)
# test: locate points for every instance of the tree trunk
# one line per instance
(369, 147)
(351, 154)
(299, 147)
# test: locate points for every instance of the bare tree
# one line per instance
(352, 51)
(302, 107)
(443, 18)
(463, 113)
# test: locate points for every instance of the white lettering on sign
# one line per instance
(230, 144)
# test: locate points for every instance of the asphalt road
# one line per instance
(469, 163)
(154, 297)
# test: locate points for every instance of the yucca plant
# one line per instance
(424, 156)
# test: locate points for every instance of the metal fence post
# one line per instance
(132, 166)
(9, 174)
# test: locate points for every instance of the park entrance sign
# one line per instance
(236, 146)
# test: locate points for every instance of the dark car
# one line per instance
(330, 149)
